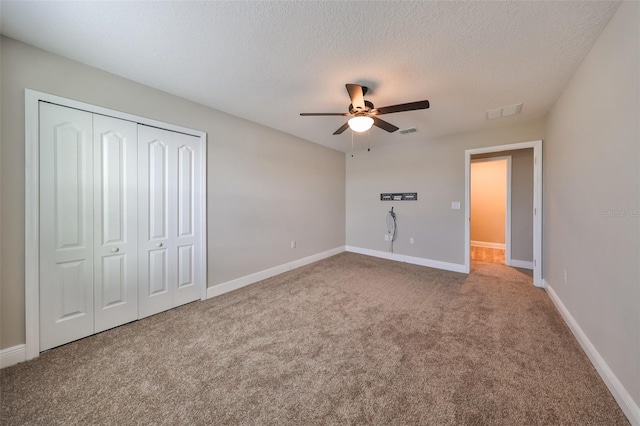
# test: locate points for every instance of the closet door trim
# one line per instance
(32, 205)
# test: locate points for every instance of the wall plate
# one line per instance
(399, 196)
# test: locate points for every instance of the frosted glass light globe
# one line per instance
(360, 123)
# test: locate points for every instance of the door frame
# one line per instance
(537, 202)
(507, 210)
(32, 203)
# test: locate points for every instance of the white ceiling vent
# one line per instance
(409, 130)
(504, 111)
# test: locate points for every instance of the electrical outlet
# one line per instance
(386, 237)
(411, 240)
(293, 244)
(564, 272)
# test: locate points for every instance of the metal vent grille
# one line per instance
(407, 131)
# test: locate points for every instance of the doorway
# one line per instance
(491, 209)
(536, 202)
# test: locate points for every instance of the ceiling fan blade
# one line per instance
(411, 106)
(383, 124)
(323, 113)
(344, 127)
(356, 94)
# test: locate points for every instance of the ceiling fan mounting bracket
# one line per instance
(368, 107)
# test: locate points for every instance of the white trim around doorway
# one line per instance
(537, 202)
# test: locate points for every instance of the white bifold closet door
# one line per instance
(115, 152)
(119, 222)
(88, 224)
(170, 193)
(66, 225)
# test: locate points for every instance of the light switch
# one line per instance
(455, 205)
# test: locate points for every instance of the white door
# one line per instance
(169, 197)
(119, 222)
(66, 225)
(115, 221)
(189, 196)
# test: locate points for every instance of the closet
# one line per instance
(120, 222)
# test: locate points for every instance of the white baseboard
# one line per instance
(521, 264)
(486, 244)
(628, 405)
(13, 355)
(455, 267)
(219, 289)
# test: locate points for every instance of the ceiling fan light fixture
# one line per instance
(364, 115)
(360, 123)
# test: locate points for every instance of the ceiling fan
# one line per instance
(364, 115)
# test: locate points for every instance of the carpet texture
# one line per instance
(348, 340)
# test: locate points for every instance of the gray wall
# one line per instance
(521, 201)
(434, 169)
(591, 181)
(2, 109)
(265, 188)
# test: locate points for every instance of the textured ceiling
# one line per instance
(269, 61)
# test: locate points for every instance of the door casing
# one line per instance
(537, 202)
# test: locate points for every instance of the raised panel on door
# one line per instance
(66, 225)
(156, 186)
(115, 217)
(189, 197)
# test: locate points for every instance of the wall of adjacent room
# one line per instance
(488, 197)
(265, 188)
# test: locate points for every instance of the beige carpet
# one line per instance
(347, 340)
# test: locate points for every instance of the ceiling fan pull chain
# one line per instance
(352, 143)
